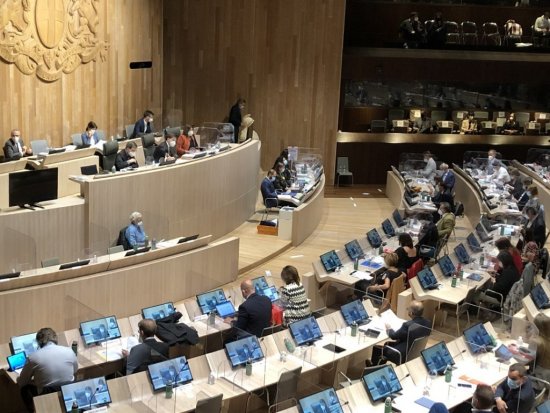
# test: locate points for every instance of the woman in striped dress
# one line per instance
(294, 296)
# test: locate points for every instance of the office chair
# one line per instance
(115, 249)
(491, 34)
(110, 150)
(342, 169)
(469, 32)
(210, 405)
(122, 240)
(176, 131)
(378, 126)
(453, 33)
(101, 134)
(39, 146)
(76, 138)
(129, 130)
(283, 392)
(149, 146)
(50, 262)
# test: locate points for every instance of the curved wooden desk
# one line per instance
(542, 186)
(308, 215)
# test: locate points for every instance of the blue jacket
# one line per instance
(268, 191)
(135, 235)
(86, 141)
(448, 179)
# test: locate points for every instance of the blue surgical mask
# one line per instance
(529, 194)
(512, 383)
(272, 178)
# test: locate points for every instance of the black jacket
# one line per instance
(254, 315)
(404, 339)
(172, 332)
(121, 160)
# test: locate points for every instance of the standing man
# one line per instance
(254, 313)
(236, 116)
(429, 170)
(47, 368)
(148, 351)
(447, 177)
(14, 147)
(144, 125)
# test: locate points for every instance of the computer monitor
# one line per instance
(354, 312)
(271, 293)
(305, 331)
(426, 278)
(32, 187)
(446, 266)
(68, 265)
(26, 343)
(473, 243)
(481, 233)
(260, 284)
(374, 238)
(461, 254)
(88, 394)
(159, 311)
(487, 224)
(478, 338)
(381, 383)
(97, 331)
(330, 261)
(88, 170)
(321, 402)
(544, 407)
(388, 228)
(437, 357)
(208, 301)
(175, 372)
(539, 296)
(225, 309)
(17, 361)
(397, 218)
(240, 351)
(354, 250)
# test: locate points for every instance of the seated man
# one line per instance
(422, 125)
(500, 176)
(148, 351)
(144, 125)
(511, 126)
(135, 235)
(269, 193)
(482, 402)
(47, 368)
(446, 223)
(126, 158)
(491, 160)
(416, 327)
(542, 28)
(515, 394)
(14, 147)
(166, 151)
(254, 314)
(412, 31)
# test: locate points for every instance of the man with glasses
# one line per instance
(14, 148)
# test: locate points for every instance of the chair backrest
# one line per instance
(129, 129)
(148, 145)
(490, 28)
(416, 347)
(101, 134)
(122, 240)
(451, 27)
(481, 115)
(469, 28)
(342, 164)
(175, 130)
(459, 209)
(438, 115)
(50, 262)
(396, 287)
(115, 249)
(396, 114)
(39, 146)
(522, 118)
(378, 125)
(76, 138)
(210, 405)
(415, 268)
(287, 386)
(110, 149)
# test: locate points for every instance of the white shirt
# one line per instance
(500, 176)
(542, 24)
(429, 171)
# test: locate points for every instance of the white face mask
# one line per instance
(140, 224)
(132, 154)
(17, 139)
(285, 162)
(440, 212)
(191, 133)
(91, 132)
(491, 157)
(172, 143)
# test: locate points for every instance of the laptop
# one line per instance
(25, 343)
(272, 294)
(9, 275)
(87, 394)
(73, 264)
(539, 297)
(427, 279)
(354, 312)
(140, 250)
(382, 383)
(387, 227)
(159, 311)
(482, 234)
(437, 358)
(446, 266)
(225, 309)
(478, 339)
(17, 361)
(260, 284)
(461, 254)
(330, 261)
(175, 371)
(321, 402)
(354, 250)
(189, 238)
(374, 238)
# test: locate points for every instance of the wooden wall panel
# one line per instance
(107, 92)
(283, 56)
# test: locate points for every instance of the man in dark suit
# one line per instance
(447, 177)
(148, 351)
(166, 151)
(268, 189)
(144, 125)
(235, 117)
(254, 313)
(14, 148)
(416, 327)
(126, 158)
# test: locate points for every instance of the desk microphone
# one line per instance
(346, 377)
(92, 397)
(346, 403)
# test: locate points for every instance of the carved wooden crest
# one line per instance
(50, 37)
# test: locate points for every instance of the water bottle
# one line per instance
(169, 390)
(520, 341)
(354, 329)
(249, 367)
(356, 264)
(154, 244)
(289, 345)
(74, 407)
(113, 169)
(211, 378)
(448, 374)
(74, 347)
(211, 318)
(460, 271)
(387, 405)
(481, 259)
(453, 281)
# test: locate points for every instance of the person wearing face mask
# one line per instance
(282, 158)
(269, 193)
(446, 223)
(166, 151)
(126, 158)
(483, 400)
(491, 159)
(186, 141)
(515, 394)
(135, 235)
(281, 183)
(511, 126)
(14, 148)
(501, 283)
(144, 125)
(149, 349)
(500, 176)
(534, 202)
(90, 137)
(522, 198)
(430, 169)
(469, 124)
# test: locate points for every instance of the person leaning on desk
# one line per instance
(135, 235)
(144, 125)
(166, 151)
(14, 148)
(90, 136)
(126, 158)
(148, 351)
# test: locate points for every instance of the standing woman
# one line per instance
(293, 294)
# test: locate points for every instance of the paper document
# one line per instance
(387, 317)
(110, 354)
(362, 275)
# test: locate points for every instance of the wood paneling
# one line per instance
(107, 92)
(283, 56)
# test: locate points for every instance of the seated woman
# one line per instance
(501, 282)
(294, 296)
(281, 183)
(406, 252)
(383, 279)
(186, 141)
(504, 244)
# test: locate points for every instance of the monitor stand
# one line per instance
(30, 206)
